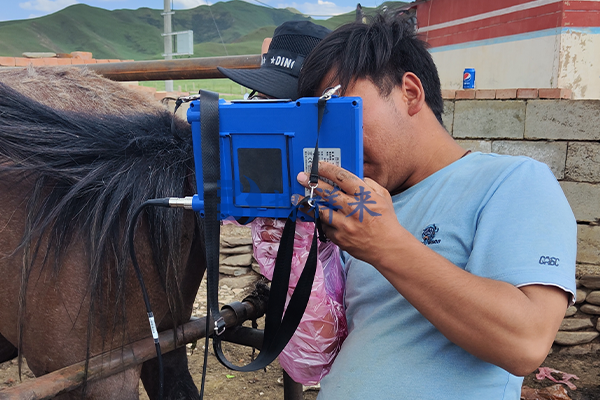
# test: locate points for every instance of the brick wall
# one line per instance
(564, 134)
(79, 58)
(39, 59)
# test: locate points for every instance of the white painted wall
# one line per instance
(579, 63)
(552, 58)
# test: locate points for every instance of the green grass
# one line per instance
(226, 88)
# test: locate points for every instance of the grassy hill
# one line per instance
(136, 34)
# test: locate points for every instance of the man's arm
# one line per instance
(507, 326)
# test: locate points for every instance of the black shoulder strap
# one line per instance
(279, 328)
(211, 171)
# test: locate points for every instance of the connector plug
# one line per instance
(181, 202)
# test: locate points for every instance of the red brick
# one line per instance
(76, 61)
(527, 93)
(485, 94)
(86, 55)
(22, 61)
(7, 61)
(566, 94)
(465, 94)
(87, 61)
(36, 62)
(63, 61)
(506, 93)
(49, 61)
(448, 94)
(555, 93)
(102, 61)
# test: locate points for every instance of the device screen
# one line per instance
(260, 170)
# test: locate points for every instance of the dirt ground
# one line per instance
(223, 384)
(586, 368)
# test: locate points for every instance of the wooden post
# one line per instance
(158, 70)
(184, 68)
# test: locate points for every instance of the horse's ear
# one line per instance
(181, 130)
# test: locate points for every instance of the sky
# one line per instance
(23, 9)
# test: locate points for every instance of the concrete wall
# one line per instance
(564, 134)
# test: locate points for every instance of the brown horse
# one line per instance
(78, 155)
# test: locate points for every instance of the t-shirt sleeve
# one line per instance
(526, 232)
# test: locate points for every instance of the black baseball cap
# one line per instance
(277, 76)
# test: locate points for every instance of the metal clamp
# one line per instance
(239, 309)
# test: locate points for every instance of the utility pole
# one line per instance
(168, 40)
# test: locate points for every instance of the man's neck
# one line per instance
(435, 150)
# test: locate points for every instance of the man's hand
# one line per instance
(357, 215)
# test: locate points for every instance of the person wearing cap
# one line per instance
(310, 352)
(459, 265)
(277, 76)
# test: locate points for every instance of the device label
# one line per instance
(331, 155)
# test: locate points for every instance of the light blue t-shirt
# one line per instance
(500, 217)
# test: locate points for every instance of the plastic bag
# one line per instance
(310, 352)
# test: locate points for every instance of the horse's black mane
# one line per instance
(88, 175)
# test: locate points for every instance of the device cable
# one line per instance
(164, 202)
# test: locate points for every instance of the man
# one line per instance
(277, 76)
(448, 292)
(305, 360)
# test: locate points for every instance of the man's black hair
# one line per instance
(382, 51)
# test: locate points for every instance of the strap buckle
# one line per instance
(311, 197)
(219, 326)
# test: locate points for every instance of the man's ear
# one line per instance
(412, 89)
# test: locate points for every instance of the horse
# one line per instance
(78, 154)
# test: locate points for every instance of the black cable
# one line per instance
(164, 202)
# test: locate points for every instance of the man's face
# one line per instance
(386, 139)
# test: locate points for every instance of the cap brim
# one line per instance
(270, 82)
